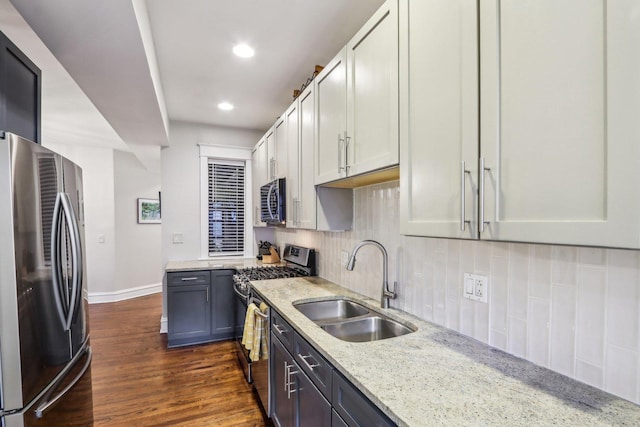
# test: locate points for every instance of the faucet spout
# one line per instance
(386, 293)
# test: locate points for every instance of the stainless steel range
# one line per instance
(298, 262)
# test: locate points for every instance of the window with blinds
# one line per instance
(226, 207)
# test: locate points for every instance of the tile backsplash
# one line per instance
(574, 310)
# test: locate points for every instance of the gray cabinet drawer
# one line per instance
(313, 364)
(189, 278)
(353, 407)
(282, 330)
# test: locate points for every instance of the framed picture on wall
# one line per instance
(149, 211)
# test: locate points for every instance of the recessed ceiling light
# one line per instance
(243, 50)
(225, 106)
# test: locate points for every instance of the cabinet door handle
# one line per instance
(463, 178)
(347, 139)
(340, 143)
(207, 294)
(483, 169)
(288, 382)
(304, 360)
(189, 279)
(298, 204)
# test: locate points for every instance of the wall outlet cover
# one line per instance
(476, 287)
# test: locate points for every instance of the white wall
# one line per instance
(180, 178)
(180, 190)
(575, 310)
(138, 254)
(99, 208)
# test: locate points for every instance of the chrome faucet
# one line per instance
(386, 293)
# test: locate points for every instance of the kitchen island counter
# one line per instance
(435, 376)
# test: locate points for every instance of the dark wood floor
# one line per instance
(137, 381)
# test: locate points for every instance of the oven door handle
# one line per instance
(244, 297)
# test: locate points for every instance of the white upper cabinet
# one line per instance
(301, 194)
(331, 120)
(557, 155)
(438, 117)
(292, 126)
(372, 93)
(357, 102)
(306, 199)
(259, 169)
(279, 160)
(270, 144)
(560, 128)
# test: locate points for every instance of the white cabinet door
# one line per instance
(259, 165)
(372, 93)
(306, 209)
(292, 130)
(560, 130)
(280, 163)
(270, 143)
(331, 120)
(438, 117)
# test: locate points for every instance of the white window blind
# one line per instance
(226, 207)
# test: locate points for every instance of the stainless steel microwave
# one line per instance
(273, 202)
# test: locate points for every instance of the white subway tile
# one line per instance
(498, 294)
(482, 258)
(538, 331)
(498, 340)
(467, 317)
(562, 333)
(591, 315)
(518, 280)
(481, 322)
(564, 265)
(623, 299)
(540, 265)
(592, 256)
(517, 337)
(621, 372)
(589, 374)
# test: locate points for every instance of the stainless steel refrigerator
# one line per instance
(45, 357)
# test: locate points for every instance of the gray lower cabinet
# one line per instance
(296, 401)
(199, 307)
(306, 390)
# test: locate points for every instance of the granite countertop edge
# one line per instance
(440, 375)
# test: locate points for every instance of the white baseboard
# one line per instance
(102, 297)
(163, 325)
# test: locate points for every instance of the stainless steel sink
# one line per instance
(350, 321)
(331, 311)
(365, 329)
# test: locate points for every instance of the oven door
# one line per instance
(240, 314)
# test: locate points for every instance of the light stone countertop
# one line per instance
(436, 376)
(214, 264)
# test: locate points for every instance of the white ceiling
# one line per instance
(144, 62)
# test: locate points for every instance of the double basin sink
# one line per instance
(351, 321)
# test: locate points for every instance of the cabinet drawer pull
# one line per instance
(279, 329)
(347, 139)
(189, 279)
(304, 359)
(463, 178)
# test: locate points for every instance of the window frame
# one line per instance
(224, 154)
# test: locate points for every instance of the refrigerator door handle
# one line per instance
(76, 254)
(56, 261)
(48, 403)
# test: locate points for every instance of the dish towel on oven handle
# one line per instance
(254, 337)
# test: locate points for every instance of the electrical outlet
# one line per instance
(344, 257)
(476, 287)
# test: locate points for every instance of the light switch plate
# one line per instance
(177, 238)
(476, 287)
(344, 257)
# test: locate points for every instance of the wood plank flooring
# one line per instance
(138, 382)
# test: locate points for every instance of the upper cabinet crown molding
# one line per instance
(556, 159)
